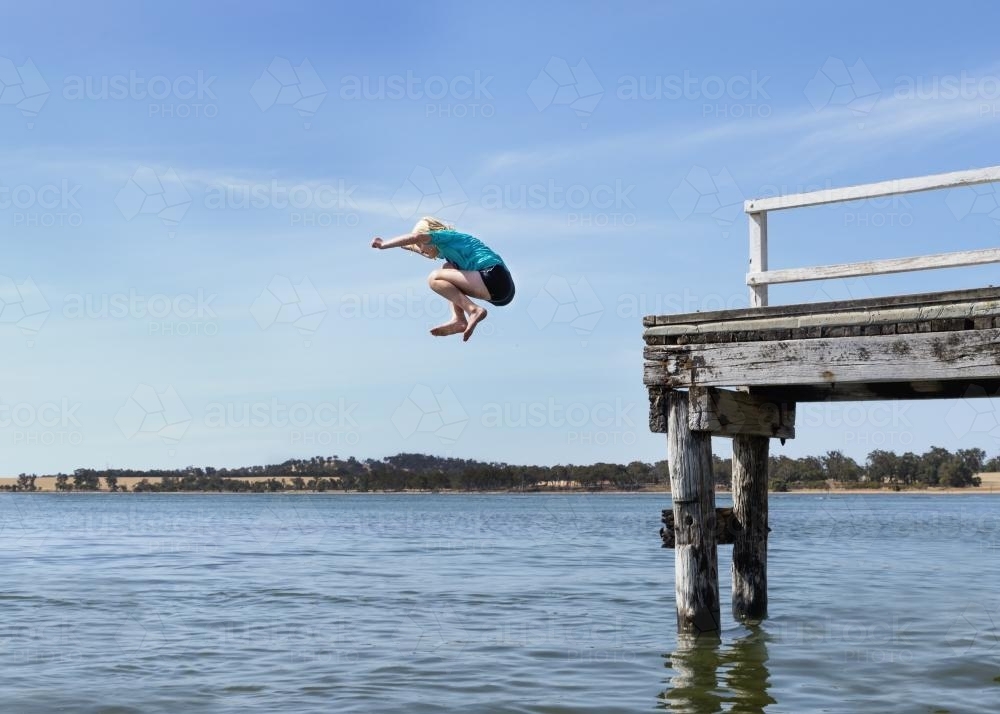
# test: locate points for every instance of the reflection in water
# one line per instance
(698, 663)
(694, 686)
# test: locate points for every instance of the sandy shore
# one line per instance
(990, 485)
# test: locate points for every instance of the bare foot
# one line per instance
(449, 328)
(474, 319)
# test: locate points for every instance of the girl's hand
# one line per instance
(377, 243)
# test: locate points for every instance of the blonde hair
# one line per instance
(427, 224)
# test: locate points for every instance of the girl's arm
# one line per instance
(401, 241)
(426, 249)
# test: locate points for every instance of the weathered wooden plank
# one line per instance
(828, 308)
(881, 391)
(692, 490)
(757, 278)
(965, 355)
(758, 256)
(957, 312)
(894, 187)
(749, 570)
(726, 413)
(726, 527)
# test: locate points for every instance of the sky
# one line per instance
(188, 192)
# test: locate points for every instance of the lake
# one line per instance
(119, 603)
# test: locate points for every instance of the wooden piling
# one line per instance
(696, 562)
(750, 455)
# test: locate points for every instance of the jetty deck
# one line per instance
(900, 347)
(740, 373)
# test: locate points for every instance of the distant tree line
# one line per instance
(936, 467)
(882, 469)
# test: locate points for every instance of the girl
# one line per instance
(471, 270)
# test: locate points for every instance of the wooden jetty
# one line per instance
(740, 373)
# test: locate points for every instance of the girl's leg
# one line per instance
(457, 286)
(457, 324)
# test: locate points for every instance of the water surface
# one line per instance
(484, 603)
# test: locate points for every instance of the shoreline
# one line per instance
(971, 491)
(990, 485)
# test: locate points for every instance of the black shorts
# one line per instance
(499, 283)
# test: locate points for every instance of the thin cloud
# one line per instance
(800, 129)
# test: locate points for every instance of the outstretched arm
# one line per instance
(425, 249)
(407, 239)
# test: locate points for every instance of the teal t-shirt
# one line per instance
(465, 251)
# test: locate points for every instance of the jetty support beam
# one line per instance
(750, 460)
(692, 488)
(726, 527)
(725, 412)
(729, 413)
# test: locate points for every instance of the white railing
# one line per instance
(759, 277)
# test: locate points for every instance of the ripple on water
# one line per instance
(484, 603)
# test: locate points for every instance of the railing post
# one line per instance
(758, 256)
